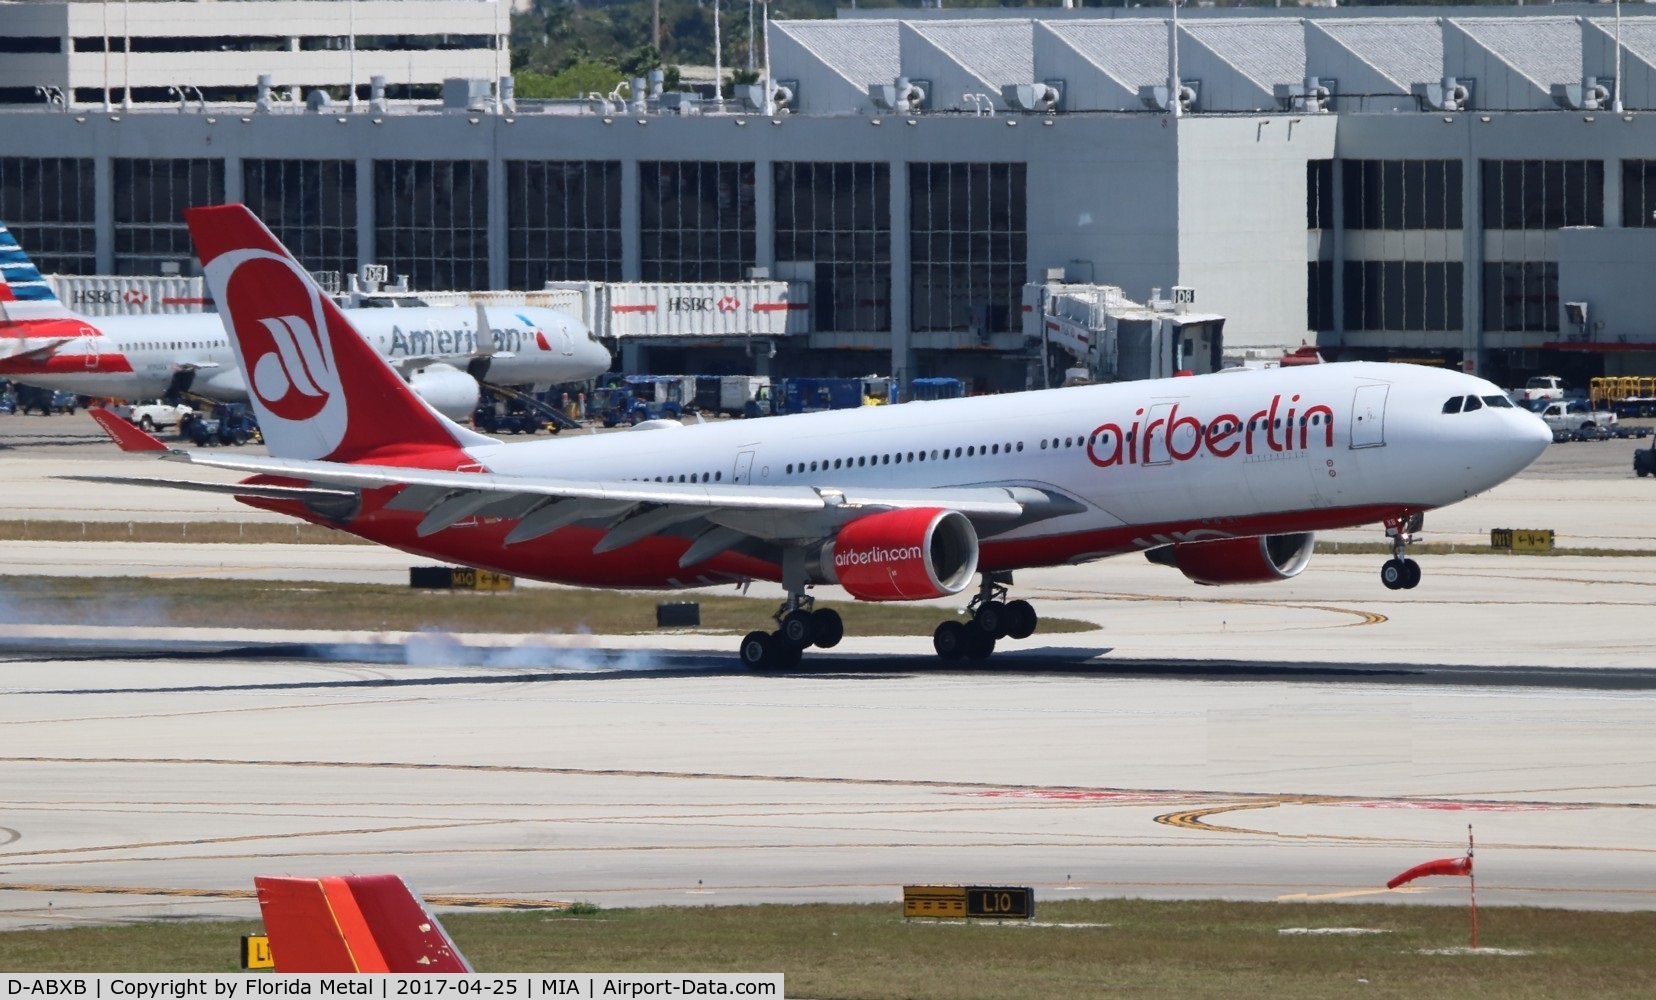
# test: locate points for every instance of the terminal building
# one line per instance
(1458, 186)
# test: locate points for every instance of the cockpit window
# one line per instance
(1473, 403)
(1454, 405)
(1498, 401)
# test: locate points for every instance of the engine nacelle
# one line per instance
(1264, 559)
(901, 555)
(449, 390)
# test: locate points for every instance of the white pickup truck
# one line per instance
(1576, 420)
(152, 414)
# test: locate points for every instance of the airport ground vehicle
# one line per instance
(33, 399)
(633, 399)
(153, 414)
(222, 424)
(1625, 395)
(1644, 461)
(1543, 387)
(728, 395)
(936, 388)
(511, 415)
(1578, 420)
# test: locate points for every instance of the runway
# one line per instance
(1303, 741)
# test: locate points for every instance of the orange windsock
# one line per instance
(1443, 866)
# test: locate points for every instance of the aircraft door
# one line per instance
(1154, 447)
(88, 348)
(565, 341)
(744, 467)
(1368, 416)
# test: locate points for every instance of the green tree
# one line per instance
(577, 81)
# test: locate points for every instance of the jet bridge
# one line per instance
(1116, 339)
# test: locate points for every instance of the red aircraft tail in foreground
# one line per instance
(353, 923)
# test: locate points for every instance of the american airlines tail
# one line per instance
(353, 923)
(320, 390)
(24, 295)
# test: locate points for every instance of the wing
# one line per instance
(718, 517)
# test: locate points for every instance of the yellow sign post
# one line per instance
(1521, 539)
(999, 902)
(255, 952)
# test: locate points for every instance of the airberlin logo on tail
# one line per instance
(283, 340)
(1282, 425)
(875, 554)
(283, 376)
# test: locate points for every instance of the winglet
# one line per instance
(130, 438)
(353, 923)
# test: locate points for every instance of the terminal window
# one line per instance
(1520, 296)
(838, 215)
(48, 206)
(1542, 194)
(563, 221)
(1638, 194)
(1401, 194)
(696, 220)
(968, 243)
(431, 221)
(150, 199)
(1403, 295)
(311, 207)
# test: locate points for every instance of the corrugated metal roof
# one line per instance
(1638, 39)
(1405, 51)
(1266, 51)
(863, 52)
(998, 52)
(1133, 52)
(1545, 50)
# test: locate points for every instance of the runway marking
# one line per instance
(1192, 819)
(485, 902)
(252, 837)
(1363, 617)
(219, 711)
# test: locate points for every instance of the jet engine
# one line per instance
(449, 390)
(1265, 559)
(901, 555)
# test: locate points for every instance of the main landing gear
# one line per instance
(799, 625)
(1400, 572)
(993, 617)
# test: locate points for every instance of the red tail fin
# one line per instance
(318, 387)
(130, 438)
(353, 923)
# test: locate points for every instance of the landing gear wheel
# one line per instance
(979, 644)
(826, 628)
(755, 650)
(1021, 619)
(784, 654)
(1393, 573)
(1411, 574)
(950, 640)
(798, 628)
(992, 618)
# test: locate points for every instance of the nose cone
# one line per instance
(591, 351)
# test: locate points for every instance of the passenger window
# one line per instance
(836, 463)
(970, 451)
(1454, 405)
(1473, 403)
(1020, 446)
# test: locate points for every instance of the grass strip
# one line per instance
(57, 600)
(1110, 948)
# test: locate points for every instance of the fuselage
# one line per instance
(140, 357)
(1143, 464)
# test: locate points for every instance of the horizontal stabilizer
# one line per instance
(353, 923)
(130, 438)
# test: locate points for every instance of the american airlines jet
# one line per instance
(1224, 477)
(437, 350)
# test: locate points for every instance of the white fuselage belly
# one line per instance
(1417, 458)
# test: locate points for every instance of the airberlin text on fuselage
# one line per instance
(1184, 437)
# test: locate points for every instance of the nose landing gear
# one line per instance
(993, 617)
(1400, 572)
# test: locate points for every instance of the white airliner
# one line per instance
(436, 349)
(1223, 476)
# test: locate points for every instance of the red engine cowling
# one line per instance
(1265, 559)
(902, 555)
